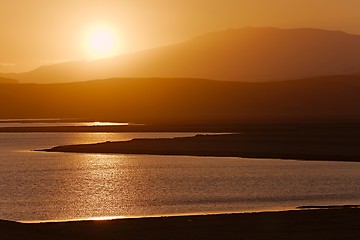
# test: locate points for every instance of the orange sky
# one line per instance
(38, 32)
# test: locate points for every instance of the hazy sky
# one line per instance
(38, 32)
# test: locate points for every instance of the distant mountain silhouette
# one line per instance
(246, 54)
(8, 80)
(186, 100)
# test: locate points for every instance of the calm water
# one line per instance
(62, 186)
(60, 124)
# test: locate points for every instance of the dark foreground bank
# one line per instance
(306, 224)
(327, 144)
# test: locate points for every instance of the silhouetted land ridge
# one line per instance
(180, 101)
(302, 144)
(337, 224)
(245, 54)
(8, 81)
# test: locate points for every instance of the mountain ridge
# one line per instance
(245, 54)
(163, 100)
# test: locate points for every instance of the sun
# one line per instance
(101, 43)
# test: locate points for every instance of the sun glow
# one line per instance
(101, 42)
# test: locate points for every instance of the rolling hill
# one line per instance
(164, 100)
(246, 54)
(8, 80)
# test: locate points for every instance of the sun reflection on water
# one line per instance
(105, 195)
(105, 124)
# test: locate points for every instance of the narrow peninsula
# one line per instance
(297, 145)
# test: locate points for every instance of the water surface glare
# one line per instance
(40, 186)
(61, 124)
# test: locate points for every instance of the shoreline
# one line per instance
(256, 127)
(114, 218)
(255, 211)
(293, 224)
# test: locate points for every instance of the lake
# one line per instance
(41, 186)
